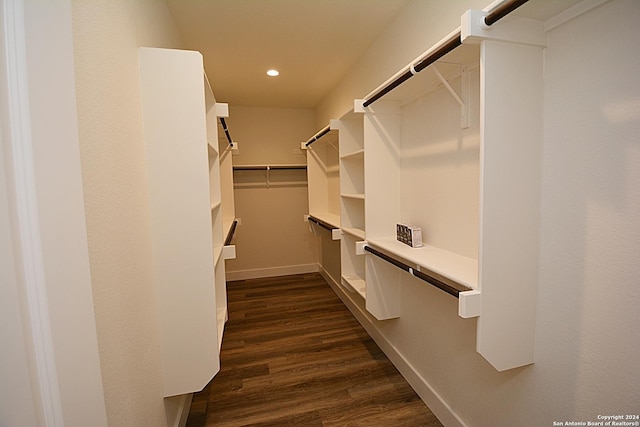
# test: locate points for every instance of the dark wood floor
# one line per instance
(293, 355)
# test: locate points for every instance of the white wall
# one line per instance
(588, 336)
(419, 26)
(107, 35)
(272, 239)
(587, 324)
(49, 359)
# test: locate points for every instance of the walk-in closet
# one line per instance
(320, 213)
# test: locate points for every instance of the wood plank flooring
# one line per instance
(293, 355)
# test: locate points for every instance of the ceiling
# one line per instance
(313, 43)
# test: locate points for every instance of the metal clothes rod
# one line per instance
(318, 135)
(321, 223)
(232, 231)
(419, 274)
(269, 167)
(226, 130)
(450, 44)
(503, 10)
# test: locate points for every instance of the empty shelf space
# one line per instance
(451, 266)
(353, 155)
(359, 196)
(356, 283)
(327, 217)
(356, 232)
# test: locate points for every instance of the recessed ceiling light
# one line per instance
(273, 73)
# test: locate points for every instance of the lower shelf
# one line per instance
(221, 319)
(357, 284)
(449, 265)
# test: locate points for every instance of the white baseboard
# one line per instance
(271, 272)
(429, 396)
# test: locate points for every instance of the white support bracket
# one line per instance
(462, 100)
(336, 234)
(360, 247)
(512, 29)
(470, 304)
(229, 252)
(268, 172)
(221, 109)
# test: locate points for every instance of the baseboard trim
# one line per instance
(429, 396)
(271, 272)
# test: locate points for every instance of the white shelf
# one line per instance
(217, 254)
(355, 232)
(357, 284)
(447, 264)
(330, 218)
(358, 196)
(353, 155)
(216, 205)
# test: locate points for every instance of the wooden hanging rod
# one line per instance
(445, 47)
(226, 130)
(268, 167)
(450, 288)
(318, 135)
(232, 231)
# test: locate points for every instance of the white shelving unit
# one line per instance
(456, 150)
(222, 203)
(185, 211)
(352, 201)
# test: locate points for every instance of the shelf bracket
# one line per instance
(463, 100)
(222, 109)
(360, 247)
(268, 176)
(469, 304)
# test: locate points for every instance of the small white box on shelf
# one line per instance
(409, 235)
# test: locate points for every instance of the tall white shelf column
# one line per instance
(352, 200)
(472, 185)
(511, 88)
(183, 188)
